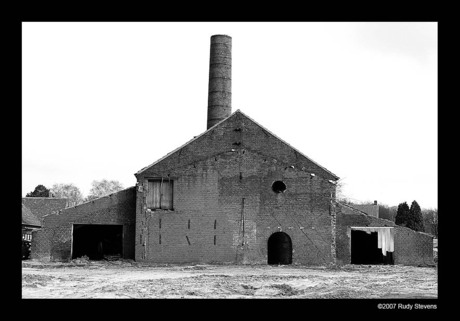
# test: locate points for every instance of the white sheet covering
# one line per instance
(385, 237)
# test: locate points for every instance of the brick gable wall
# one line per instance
(215, 188)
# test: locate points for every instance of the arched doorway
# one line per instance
(279, 248)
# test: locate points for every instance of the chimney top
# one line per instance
(220, 35)
(220, 79)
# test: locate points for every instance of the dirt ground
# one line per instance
(129, 279)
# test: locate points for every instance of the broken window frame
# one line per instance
(160, 194)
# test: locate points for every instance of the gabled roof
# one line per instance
(218, 124)
(281, 140)
(187, 143)
(41, 206)
(28, 218)
(368, 209)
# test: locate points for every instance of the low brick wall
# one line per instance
(410, 247)
(54, 240)
(413, 248)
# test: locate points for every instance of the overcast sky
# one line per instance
(103, 100)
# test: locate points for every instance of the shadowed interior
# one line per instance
(279, 249)
(97, 241)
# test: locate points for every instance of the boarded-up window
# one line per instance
(160, 194)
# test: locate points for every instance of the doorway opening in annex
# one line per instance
(279, 249)
(97, 241)
(365, 249)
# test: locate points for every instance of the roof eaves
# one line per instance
(30, 225)
(29, 218)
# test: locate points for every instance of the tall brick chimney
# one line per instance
(220, 79)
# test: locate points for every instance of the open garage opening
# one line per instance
(365, 248)
(97, 241)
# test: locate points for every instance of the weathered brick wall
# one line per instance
(41, 206)
(41, 244)
(215, 188)
(54, 239)
(411, 248)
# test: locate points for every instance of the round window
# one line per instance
(278, 187)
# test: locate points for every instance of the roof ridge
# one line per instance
(185, 144)
(238, 111)
(48, 198)
(289, 145)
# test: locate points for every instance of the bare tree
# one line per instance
(103, 187)
(339, 194)
(69, 191)
(430, 219)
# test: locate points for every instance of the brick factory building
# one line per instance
(234, 194)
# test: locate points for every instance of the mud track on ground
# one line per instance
(129, 279)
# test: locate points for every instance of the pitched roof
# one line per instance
(368, 209)
(190, 141)
(218, 124)
(41, 206)
(28, 218)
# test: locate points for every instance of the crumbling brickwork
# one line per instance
(224, 206)
(54, 240)
(410, 247)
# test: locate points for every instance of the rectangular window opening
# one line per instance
(160, 194)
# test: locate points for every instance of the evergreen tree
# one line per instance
(415, 219)
(39, 191)
(402, 214)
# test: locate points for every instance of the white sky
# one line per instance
(103, 100)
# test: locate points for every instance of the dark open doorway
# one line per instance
(97, 241)
(279, 248)
(364, 249)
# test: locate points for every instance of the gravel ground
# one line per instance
(129, 279)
